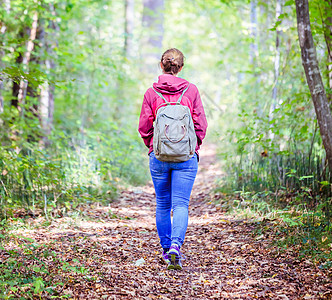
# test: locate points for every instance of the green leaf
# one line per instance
(289, 2)
(38, 285)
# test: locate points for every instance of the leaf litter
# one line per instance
(113, 253)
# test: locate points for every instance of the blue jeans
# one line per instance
(173, 182)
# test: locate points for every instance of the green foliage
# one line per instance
(264, 125)
(287, 220)
(66, 172)
(307, 239)
(93, 146)
(16, 75)
(270, 145)
(35, 270)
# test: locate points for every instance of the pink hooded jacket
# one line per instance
(171, 87)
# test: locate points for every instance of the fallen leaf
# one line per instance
(139, 262)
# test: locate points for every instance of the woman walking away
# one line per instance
(173, 125)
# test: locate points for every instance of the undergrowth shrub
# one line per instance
(291, 187)
(70, 170)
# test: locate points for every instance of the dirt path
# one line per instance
(118, 252)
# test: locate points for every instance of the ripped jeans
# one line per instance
(173, 182)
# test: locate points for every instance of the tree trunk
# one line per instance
(16, 86)
(328, 39)
(314, 79)
(1, 98)
(277, 56)
(276, 70)
(44, 88)
(26, 59)
(129, 28)
(3, 30)
(153, 19)
(253, 32)
(1, 86)
(46, 102)
(46, 98)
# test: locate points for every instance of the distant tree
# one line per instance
(253, 32)
(327, 22)
(26, 58)
(2, 29)
(153, 19)
(313, 75)
(46, 97)
(129, 27)
(276, 68)
(6, 7)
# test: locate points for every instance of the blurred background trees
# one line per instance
(73, 75)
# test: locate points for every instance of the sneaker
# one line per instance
(175, 255)
(166, 258)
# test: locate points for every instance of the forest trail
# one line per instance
(114, 253)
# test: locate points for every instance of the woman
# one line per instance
(173, 181)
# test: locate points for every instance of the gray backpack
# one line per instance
(174, 137)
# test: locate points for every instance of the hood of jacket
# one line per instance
(169, 84)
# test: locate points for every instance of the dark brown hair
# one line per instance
(172, 61)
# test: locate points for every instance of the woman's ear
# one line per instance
(161, 66)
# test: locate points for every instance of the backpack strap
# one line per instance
(179, 100)
(161, 96)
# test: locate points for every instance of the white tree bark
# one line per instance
(3, 29)
(44, 107)
(314, 78)
(153, 19)
(46, 102)
(277, 56)
(27, 56)
(46, 98)
(276, 70)
(129, 28)
(253, 32)
(7, 5)
(1, 98)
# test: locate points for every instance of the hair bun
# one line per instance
(172, 61)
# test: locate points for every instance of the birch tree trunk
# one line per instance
(46, 103)
(1, 97)
(276, 70)
(277, 57)
(153, 19)
(314, 78)
(253, 32)
(1, 87)
(26, 59)
(3, 29)
(129, 28)
(44, 88)
(46, 98)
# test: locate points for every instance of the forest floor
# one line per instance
(113, 252)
